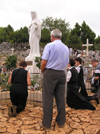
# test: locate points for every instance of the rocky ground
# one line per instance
(27, 122)
(20, 50)
(77, 121)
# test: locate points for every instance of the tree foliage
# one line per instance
(11, 61)
(21, 35)
(73, 37)
(45, 35)
(50, 24)
(1, 35)
(86, 32)
(79, 34)
(97, 43)
(5, 33)
(38, 62)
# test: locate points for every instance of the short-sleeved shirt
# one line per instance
(57, 55)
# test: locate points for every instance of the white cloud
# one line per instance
(17, 12)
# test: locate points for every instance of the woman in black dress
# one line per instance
(20, 79)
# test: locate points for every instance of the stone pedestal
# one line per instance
(31, 64)
(32, 68)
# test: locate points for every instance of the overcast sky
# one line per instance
(17, 12)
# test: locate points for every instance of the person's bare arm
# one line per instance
(43, 65)
(28, 79)
(10, 78)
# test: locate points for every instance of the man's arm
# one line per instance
(43, 65)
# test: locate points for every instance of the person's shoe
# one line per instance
(14, 110)
(42, 127)
(10, 114)
(60, 126)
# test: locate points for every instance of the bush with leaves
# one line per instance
(38, 62)
(11, 61)
(4, 82)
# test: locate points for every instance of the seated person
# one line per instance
(74, 98)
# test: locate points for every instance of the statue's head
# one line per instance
(33, 14)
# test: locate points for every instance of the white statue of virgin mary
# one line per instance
(34, 31)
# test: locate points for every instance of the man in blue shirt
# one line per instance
(54, 60)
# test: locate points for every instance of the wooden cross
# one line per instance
(87, 45)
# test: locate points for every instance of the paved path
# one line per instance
(77, 121)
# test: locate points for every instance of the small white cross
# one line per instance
(12, 49)
(87, 45)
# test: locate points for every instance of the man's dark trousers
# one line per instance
(53, 85)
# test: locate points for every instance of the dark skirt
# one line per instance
(76, 100)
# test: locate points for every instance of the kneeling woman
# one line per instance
(20, 79)
(74, 98)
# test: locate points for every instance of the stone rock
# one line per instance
(84, 125)
(75, 119)
(2, 124)
(31, 131)
(12, 129)
(95, 122)
(27, 122)
(68, 109)
(75, 125)
(30, 122)
(92, 129)
(84, 119)
(79, 131)
(21, 52)
(3, 130)
(3, 119)
(67, 128)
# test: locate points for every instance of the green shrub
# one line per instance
(11, 61)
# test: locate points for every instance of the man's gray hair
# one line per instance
(56, 33)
